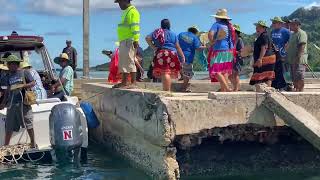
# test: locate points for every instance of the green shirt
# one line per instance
(293, 47)
(129, 27)
(67, 73)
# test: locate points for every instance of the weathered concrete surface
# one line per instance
(136, 124)
(295, 116)
(143, 124)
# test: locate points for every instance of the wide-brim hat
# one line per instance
(24, 64)
(62, 57)
(222, 14)
(277, 19)
(261, 23)
(12, 58)
(237, 27)
(4, 67)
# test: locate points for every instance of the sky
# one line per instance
(59, 20)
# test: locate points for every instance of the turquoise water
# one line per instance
(103, 165)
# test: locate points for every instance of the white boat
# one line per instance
(39, 58)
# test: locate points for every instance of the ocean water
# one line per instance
(104, 165)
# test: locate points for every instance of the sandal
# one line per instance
(120, 85)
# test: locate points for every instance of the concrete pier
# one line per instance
(148, 126)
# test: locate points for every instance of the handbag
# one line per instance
(30, 97)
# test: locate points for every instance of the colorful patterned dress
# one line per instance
(222, 53)
(166, 60)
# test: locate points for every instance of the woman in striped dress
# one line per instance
(264, 57)
(222, 52)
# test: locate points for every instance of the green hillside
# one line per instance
(310, 19)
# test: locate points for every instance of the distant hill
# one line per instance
(310, 19)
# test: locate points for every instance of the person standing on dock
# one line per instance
(263, 56)
(297, 54)
(189, 43)
(235, 76)
(166, 46)
(280, 37)
(221, 56)
(128, 35)
(72, 54)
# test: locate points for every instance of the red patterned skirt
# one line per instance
(166, 62)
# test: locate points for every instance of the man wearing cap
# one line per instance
(72, 54)
(18, 82)
(280, 37)
(189, 43)
(297, 54)
(128, 34)
(65, 78)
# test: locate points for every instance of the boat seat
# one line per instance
(50, 100)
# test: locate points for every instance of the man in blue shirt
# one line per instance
(280, 37)
(189, 43)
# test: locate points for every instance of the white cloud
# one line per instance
(7, 5)
(74, 7)
(314, 4)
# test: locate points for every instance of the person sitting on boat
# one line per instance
(38, 89)
(18, 113)
(65, 78)
(166, 62)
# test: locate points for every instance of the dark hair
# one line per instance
(165, 24)
(6, 55)
(238, 33)
(193, 30)
(14, 62)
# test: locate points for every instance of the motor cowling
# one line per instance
(65, 127)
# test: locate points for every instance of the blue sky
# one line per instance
(58, 20)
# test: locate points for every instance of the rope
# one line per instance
(18, 149)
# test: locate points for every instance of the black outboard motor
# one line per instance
(65, 132)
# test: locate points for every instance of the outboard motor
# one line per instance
(65, 132)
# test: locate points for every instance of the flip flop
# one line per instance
(120, 85)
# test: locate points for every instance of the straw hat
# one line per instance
(117, 43)
(237, 27)
(62, 57)
(277, 19)
(261, 23)
(24, 64)
(221, 14)
(3, 67)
